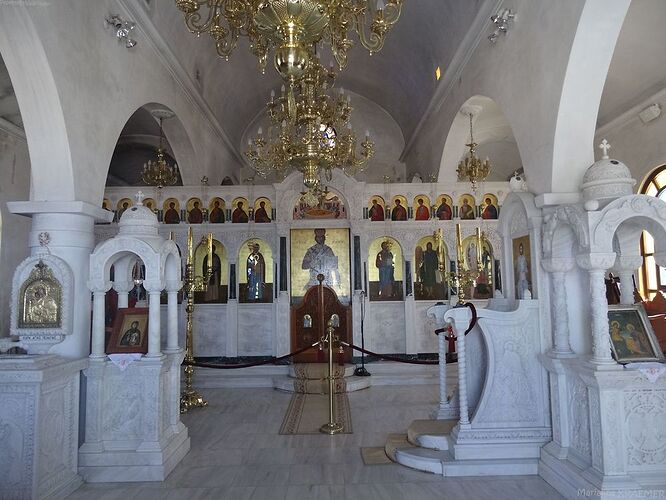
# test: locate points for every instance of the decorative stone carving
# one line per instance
(571, 215)
(645, 414)
(579, 424)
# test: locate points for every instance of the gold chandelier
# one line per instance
(291, 26)
(314, 136)
(472, 168)
(158, 173)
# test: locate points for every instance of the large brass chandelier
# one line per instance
(472, 168)
(158, 173)
(315, 137)
(291, 26)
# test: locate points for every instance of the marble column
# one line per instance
(558, 269)
(626, 265)
(98, 348)
(123, 288)
(597, 264)
(154, 327)
(172, 321)
(66, 228)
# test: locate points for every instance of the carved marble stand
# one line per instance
(609, 436)
(133, 427)
(39, 421)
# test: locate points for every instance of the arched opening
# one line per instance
(651, 276)
(493, 135)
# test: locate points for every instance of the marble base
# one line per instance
(39, 421)
(112, 466)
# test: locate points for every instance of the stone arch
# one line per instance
(52, 173)
(177, 139)
(628, 214)
(587, 67)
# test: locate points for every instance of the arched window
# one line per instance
(651, 277)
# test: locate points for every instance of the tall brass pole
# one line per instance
(332, 427)
(190, 398)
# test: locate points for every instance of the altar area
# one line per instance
(231, 326)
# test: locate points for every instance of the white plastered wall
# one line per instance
(550, 97)
(15, 185)
(91, 85)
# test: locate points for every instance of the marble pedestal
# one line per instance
(133, 427)
(609, 434)
(39, 421)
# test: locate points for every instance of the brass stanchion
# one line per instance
(189, 397)
(332, 427)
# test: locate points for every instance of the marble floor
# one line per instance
(237, 454)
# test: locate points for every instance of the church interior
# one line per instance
(379, 249)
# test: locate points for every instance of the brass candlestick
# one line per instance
(460, 278)
(332, 427)
(190, 398)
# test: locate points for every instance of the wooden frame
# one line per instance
(632, 337)
(126, 336)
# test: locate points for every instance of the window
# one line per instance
(651, 277)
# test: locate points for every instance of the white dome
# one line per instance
(607, 179)
(138, 221)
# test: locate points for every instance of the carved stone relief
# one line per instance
(645, 414)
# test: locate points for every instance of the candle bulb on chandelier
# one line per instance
(260, 131)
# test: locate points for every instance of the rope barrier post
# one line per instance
(332, 427)
(361, 371)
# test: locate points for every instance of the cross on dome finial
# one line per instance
(139, 197)
(604, 146)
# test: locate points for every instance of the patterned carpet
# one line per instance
(308, 412)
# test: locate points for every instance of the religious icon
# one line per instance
(255, 282)
(329, 255)
(307, 321)
(239, 214)
(480, 260)
(376, 209)
(399, 211)
(216, 211)
(262, 209)
(466, 207)
(444, 210)
(329, 205)
(171, 211)
(632, 337)
(521, 265)
(429, 283)
(385, 269)
(216, 291)
(123, 205)
(489, 210)
(422, 208)
(40, 297)
(150, 204)
(130, 331)
(194, 212)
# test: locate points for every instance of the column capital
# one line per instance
(629, 262)
(153, 286)
(31, 208)
(123, 286)
(558, 264)
(595, 261)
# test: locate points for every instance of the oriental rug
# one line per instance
(308, 412)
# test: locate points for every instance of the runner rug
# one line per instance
(308, 412)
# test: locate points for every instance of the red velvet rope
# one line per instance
(203, 364)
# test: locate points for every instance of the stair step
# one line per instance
(431, 433)
(395, 442)
(288, 384)
(423, 459)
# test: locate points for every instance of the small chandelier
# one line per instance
(312, 135)
(158, 173)
(472, 168)
(291, 26)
